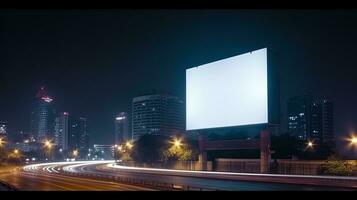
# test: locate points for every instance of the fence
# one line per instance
(237, 165)
(178, 165)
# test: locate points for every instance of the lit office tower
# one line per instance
(42, 116)
(157, 114)
(311, 119)
(121, 128)
(61, 131)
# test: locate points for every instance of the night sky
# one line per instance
(94, 61)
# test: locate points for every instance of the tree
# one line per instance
(150, 148)
(183, 152)
(336, 167)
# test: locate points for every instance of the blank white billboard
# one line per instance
(228, 92)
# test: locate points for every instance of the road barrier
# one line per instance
(160, 185)
(6, 187)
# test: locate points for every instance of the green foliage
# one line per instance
(150, 148)
(336, 167)
(182, 153)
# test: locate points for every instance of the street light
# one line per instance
(129, 145)
(16, 151)
(75, 153)
(309, 144)
(48, 144)
(354, 140)
(177, 142)
(2, 142)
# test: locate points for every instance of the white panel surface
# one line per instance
(228, 92)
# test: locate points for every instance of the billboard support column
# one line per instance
(203, 153)
(264, 151)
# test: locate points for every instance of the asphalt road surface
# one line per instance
(42, 180)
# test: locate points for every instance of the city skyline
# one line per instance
(101, 72)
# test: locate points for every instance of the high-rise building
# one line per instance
(3, 129)
(121, 128)
(157, 114)
(42, 116)
(83, 135)
(328, 123)
(311, 119)
(61, 130)
(299, 113)
(78, 135)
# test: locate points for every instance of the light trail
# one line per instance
(188, 172)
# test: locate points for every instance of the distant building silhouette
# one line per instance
(61, 131)
(157, 114)
(121, 128)
(311, 119)
(78, 135)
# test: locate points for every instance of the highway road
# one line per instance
(105, 176)
(41, 179)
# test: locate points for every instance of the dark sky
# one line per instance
(95, 61)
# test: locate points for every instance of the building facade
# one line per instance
(157, 114)
(311, 119)
(61, 131)
(43, 116)
(121, 128)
